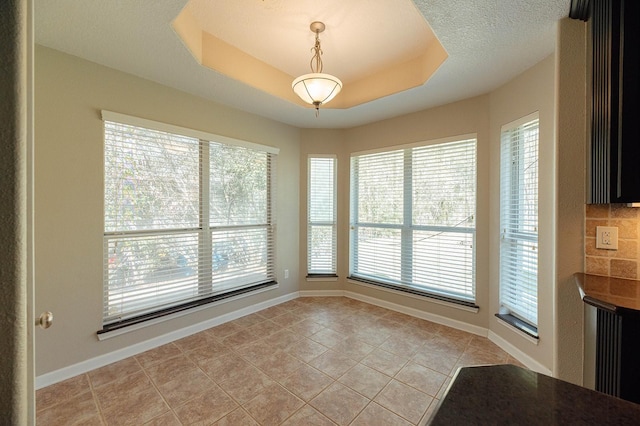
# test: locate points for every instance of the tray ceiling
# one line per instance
(488, 42)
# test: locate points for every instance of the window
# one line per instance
(413, 219)
(186, 219)
(321, 215)
(519, 224)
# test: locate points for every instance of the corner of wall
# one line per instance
(571, 77)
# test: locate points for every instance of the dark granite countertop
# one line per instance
(611, 294)
(511, 395)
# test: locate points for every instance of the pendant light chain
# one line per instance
(317, 56)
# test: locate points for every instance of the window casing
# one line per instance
(519, 223)
(413, 219)
(187, 219)
(321, 216)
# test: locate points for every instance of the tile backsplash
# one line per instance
(621, 263)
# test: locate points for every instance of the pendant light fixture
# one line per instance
(316, 88)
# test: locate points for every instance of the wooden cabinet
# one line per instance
(615, 101)
(617, 349)
(617, 344)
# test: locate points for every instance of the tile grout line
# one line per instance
(153, 383)
(95, 400)
(328, 313)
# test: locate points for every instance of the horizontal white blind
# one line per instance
(413, 218)
(239, 190)
(146, 272)
(151, 179)
(144, 123)
(185, 219)
(380, 187)
(321, 220)
(519, 220)
(444, 184)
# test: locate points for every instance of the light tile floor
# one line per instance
(309, 361)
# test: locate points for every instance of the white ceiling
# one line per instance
(489, 42)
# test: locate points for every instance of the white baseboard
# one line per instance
(321, 293)
(82, 367)
(433, 300)
(118, 355)
(144, 324)
(522, 357)
(525, 359)
(480, 331)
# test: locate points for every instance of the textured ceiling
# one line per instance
(488, 41)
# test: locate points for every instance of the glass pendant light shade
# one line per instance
(316, 88)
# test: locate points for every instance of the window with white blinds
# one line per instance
(519, 221)
(186, 219)
(321, 216)
(413, 219)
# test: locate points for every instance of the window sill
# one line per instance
(469, 307)
(117, 329)
(528, 331)
(322, 277)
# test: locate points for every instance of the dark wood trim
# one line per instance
(614, 176)
(605, 32)
(414, 291)
(519, 324)
(580, 10)
(183, 307)
(322, 275)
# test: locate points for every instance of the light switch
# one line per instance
(607, 237)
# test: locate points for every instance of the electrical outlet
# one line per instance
(607, 237)
(286, 274)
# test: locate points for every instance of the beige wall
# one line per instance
(323, 142)
(461, 118)
(484, 115)
(470, 116)
(530, 92)
(70, 93)
(570, 183)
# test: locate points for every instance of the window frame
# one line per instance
(332, 223)
(203, 230)
(406, 228)
(512, 197)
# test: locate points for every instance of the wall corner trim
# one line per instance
(528, 362)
